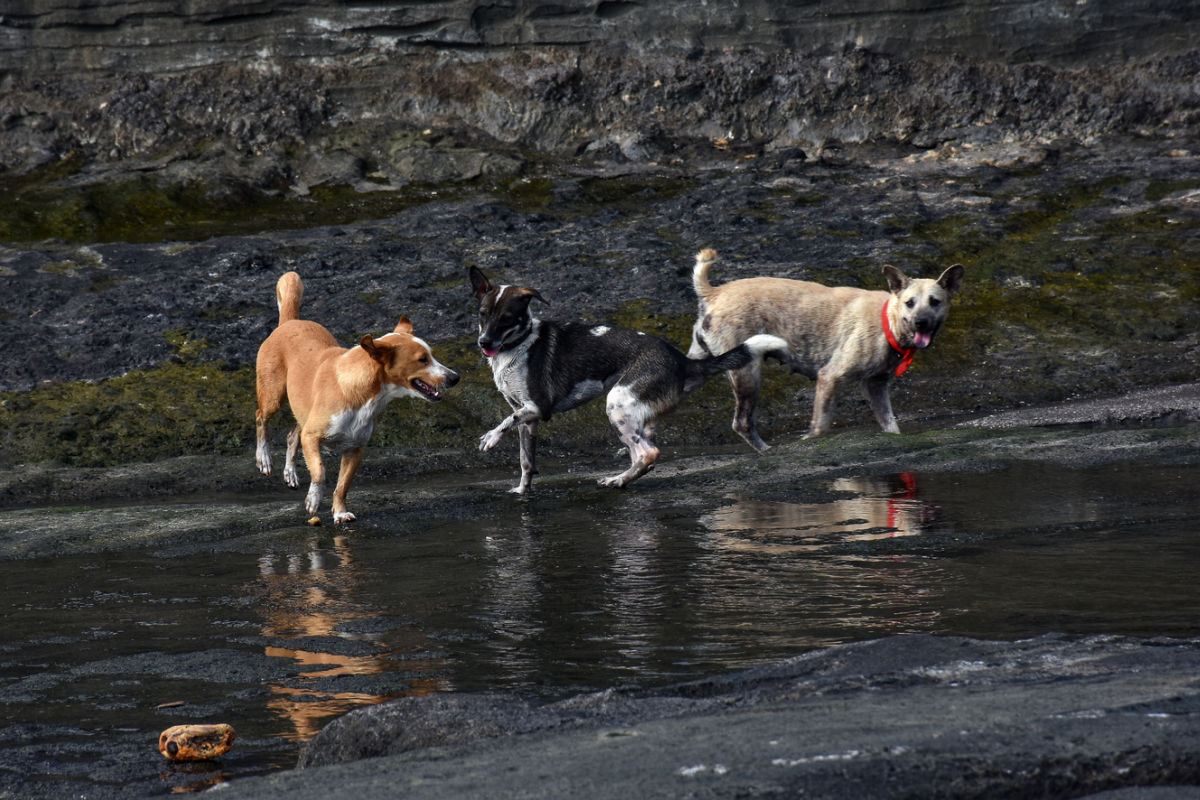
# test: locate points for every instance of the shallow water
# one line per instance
(276, 631)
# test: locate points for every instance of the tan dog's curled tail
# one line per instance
(289, 290)
(704, 260)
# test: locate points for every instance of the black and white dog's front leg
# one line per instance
(528, 433)
(527, 417)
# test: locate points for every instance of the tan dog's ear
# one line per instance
(951, 279)
(897, 280)
(404, 326)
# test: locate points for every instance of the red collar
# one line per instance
(906, 355)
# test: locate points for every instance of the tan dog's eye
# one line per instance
(933, 301)
(910, 302)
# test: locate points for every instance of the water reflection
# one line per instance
(512, 595)
(577, 591)
(872, 508)
(635, 591)
(312, 597)
(819, 564)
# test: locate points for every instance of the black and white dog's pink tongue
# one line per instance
(490, 352)
(922, 339)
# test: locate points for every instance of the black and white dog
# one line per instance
(545, 367)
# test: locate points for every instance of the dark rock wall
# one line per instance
(73, 36)
(289, 95)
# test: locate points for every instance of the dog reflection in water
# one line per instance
(309, 596)
(871, 508)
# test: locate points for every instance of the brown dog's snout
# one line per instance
(451, 378)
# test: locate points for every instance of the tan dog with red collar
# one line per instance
(335, 393)
(834, 334)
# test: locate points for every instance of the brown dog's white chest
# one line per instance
(352, 427)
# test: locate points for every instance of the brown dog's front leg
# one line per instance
(310, 444)
(350, 461)
(876, 391)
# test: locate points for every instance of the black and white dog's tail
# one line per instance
(759, 346)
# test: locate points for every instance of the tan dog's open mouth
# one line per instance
(425, 390)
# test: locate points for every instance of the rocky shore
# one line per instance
(895, 718)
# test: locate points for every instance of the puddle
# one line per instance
(276, 631)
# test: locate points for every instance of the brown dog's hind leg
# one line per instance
(290, 476)
(270, 400)
(746, 383)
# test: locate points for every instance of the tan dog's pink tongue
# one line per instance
(922, 339)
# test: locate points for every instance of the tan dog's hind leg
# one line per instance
(876, 391)
(350, 461)
(823, 403)
(746, 383)
(310, 443)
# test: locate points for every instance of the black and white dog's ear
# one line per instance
(538, 295)
(479, 282)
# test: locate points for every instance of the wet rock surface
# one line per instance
(902, 717)
(1081, 281)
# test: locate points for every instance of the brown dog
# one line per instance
(335, 393)
(834, 333)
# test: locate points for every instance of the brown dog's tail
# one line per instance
(704, 260)
(288, 292)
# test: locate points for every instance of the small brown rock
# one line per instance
(196, 742)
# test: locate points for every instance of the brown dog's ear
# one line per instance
(369, 347)
(480, 285)
(951, 279)
(404, 326)
(897, 280)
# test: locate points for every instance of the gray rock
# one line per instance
(912, 716)
(273, 95)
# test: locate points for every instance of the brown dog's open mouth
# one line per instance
(427, 391)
